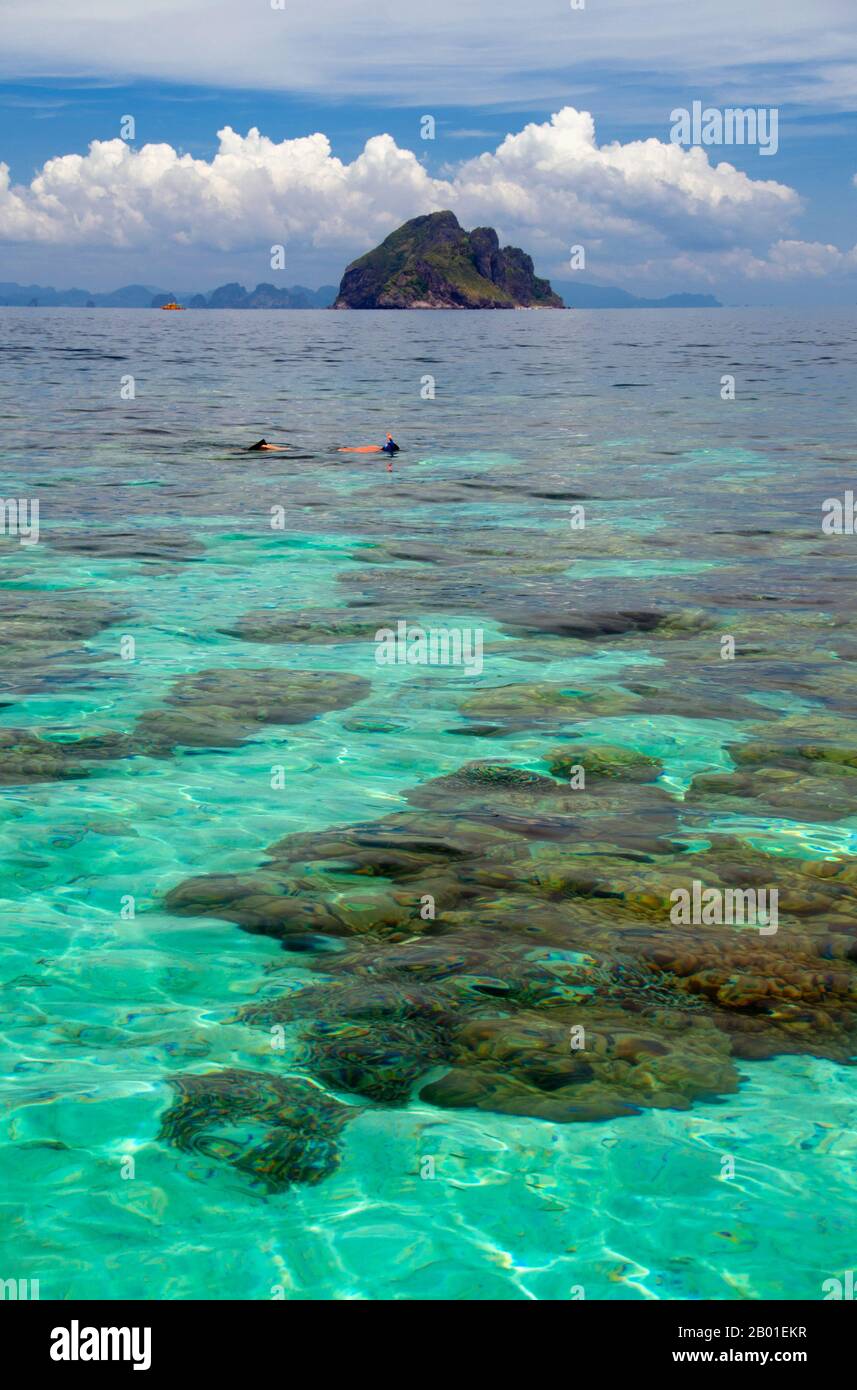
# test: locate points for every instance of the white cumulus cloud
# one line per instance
(794, 260)
(547, 186)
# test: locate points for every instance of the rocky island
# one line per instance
(431, 262)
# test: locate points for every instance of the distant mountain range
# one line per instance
(232, 296)
(577, 294)
(583, 294)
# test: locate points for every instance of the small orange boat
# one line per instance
(172, 306)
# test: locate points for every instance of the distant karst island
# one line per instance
(232, 296)
(432, 263)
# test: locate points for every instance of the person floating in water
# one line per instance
(263, 444)
(389, 447)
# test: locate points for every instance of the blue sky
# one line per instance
(192, 214)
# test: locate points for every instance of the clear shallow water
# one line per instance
(692, 503)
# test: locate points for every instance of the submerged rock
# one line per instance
(381, 1062)
(366, 725)
(222, 708)
(544, 702)
(811, 782)
(159, 544)
(44, 638)
(27, 757)
(280, 1131)
(527, 1066)
(478, 780)
(507, 944)
(588, 624)
(604, 760)
(821, 758)
(313, 625)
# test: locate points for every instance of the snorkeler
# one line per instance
(388, 447)
(263, 444)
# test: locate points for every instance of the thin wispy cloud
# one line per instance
(449, 51)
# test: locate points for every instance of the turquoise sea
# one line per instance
(237, 1072)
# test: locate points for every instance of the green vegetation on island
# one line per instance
(432, 263)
